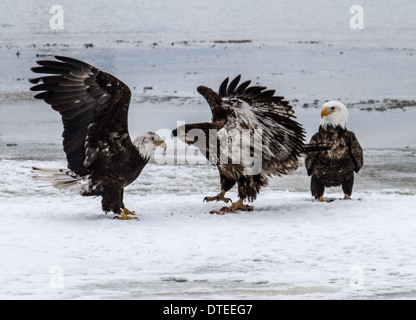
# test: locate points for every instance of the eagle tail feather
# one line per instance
(61, 178)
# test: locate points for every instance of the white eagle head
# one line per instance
(146, 142)
(334, 113)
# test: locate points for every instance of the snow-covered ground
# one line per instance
(55, 244)
(290, 247)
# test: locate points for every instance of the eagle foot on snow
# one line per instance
(124, 215)
(239, 205)
(218, 197)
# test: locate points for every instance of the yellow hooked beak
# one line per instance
(161, 144)
(325, 112)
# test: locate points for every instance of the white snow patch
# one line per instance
(289, 247)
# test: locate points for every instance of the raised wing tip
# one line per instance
(34, 80)
(237, 78)
(223, 88)
(62, 58)
(205, 91)
(201, 89)
(73, 61)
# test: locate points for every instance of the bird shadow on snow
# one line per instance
(299, 205)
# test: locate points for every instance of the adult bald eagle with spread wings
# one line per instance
(238, 107)
(102, 159)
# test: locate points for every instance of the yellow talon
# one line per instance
(124, 214)
(127, 211)
(239, 205)
(218, 197)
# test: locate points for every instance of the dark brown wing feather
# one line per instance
(93, 105)
(356, 152)
(311, 156)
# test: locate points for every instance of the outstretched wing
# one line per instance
(255, 108)
(94, 108)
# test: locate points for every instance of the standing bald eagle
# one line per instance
(337, 165)
(276, 137)
(94, 108)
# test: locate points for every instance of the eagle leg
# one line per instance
(239, 205)
(218, 197)
(347, 197)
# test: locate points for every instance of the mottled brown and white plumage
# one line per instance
(237, 106)
(94, 109)
(336, 166)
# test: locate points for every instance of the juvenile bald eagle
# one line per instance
(94, 108)
(336, 166)
(276, 138)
